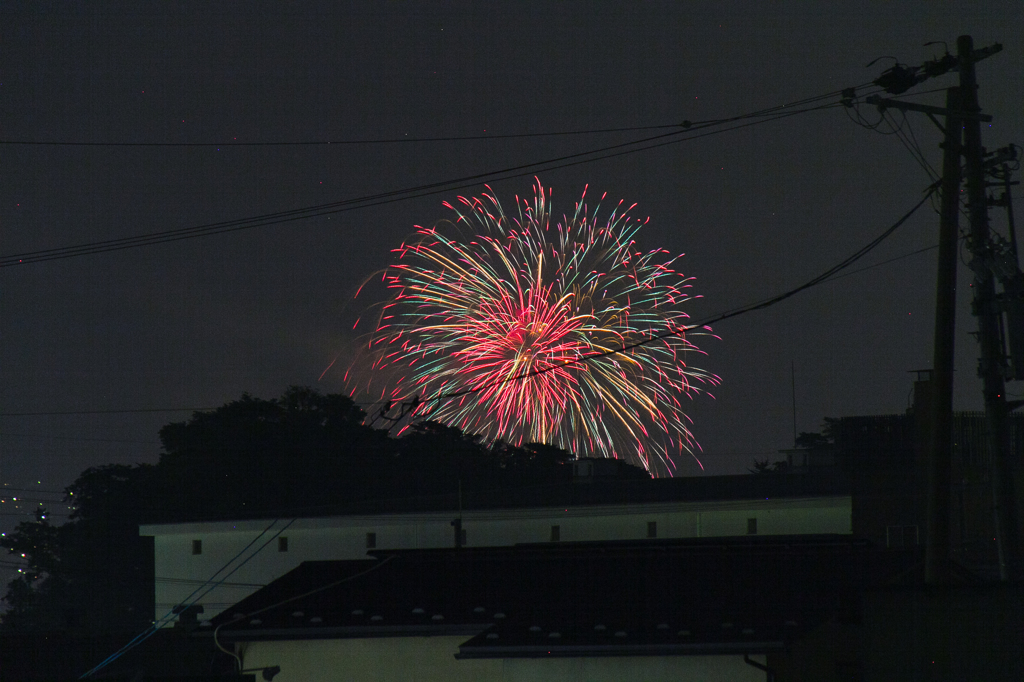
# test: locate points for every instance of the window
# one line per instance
(282, 544)
(652, 529)
(556, 533)
(752, 526)
(197, 546)
(371, 540)
(898, 537)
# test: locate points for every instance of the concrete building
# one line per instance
(700, 609)
(217, 564)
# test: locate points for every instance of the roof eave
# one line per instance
(348, 632)
(591, 650)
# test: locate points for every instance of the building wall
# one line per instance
(884, 459)
(955, 632)
(178, 572)
(430, 659)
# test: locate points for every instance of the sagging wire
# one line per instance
(687, 131)
(904, 133)
(408, 407)
(240, 616)
(169, 616)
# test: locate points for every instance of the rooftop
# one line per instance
(713, 595)
(578, 491)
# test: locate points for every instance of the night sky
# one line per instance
(195, 323)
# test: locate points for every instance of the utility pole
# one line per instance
(939, 446)
(792, 378)
(991, 257)
(986, 306)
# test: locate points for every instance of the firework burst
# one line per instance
(532, 329)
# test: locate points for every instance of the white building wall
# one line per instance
(226, 545)
(432, 659)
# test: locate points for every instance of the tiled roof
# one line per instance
(656, 597)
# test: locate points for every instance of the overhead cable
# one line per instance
(342, 142)
(454, 184)
(185, 603)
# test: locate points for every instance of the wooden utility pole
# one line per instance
(963, 138)
(939, 445)
(986, 306)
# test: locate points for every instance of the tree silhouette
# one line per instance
(303, 454)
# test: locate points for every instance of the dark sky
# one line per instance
(196, 323)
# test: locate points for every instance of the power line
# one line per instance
(916, 93)
(206, 409)
(30, 490)
(905, 134)
(368, 201)
(157, 625)
(132, 411)
(99, 247)
(762, 116)
(313, 211)
(32, 513)
(885, 262)
(29, 497)
(323, 588)
(325, 143)
(187, 581)
(391, 140)
(41, 436)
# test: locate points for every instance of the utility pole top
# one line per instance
(965, 50)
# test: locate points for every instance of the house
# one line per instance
(695, 609)
(217, 563)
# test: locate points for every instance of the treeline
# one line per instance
(304, 453)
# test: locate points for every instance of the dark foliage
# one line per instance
(301, 454)
(812, 441)
(805, 441)
(766, 466)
